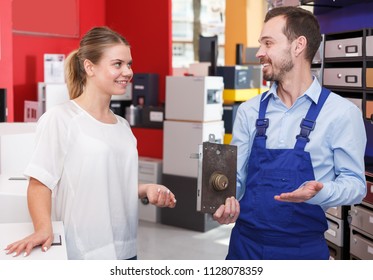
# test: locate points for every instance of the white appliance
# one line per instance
(11, 232)
(51, 94)
(181, 141)
(150, 172)
(16, 146)
(54, 68)
(194, 98)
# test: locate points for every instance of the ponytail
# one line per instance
(74, 74)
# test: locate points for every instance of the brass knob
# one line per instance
(219, 181)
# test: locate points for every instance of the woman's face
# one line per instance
(114, 71)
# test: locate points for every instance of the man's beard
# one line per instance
(286, 66)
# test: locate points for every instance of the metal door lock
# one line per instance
(219, 181)
(217, 171)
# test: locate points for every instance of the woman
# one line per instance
(86, 159)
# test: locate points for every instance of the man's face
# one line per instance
(275, 53)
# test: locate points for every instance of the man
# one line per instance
(300, 150)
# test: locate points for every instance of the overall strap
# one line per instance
(309, 122)
(262, 122)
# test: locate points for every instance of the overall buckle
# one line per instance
(261, 127)
(306, 127)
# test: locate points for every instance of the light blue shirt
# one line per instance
(337, 144)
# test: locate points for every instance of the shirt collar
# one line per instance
(313, 92)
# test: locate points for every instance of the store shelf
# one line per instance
(325, 6)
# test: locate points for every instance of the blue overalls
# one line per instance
(269, 229)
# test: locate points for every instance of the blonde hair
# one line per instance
(91, 47)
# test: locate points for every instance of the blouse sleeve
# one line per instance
(47, 160)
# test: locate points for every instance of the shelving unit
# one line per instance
(361, 225)
(347, 66)
(346, 63)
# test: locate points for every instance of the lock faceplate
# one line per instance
(217, 175)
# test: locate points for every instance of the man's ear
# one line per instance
(300, 45)
(88, 67)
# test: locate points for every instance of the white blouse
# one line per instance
(92, 169)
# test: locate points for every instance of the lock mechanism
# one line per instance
(217, 171)
(219, 181)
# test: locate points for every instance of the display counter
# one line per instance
(11, 232)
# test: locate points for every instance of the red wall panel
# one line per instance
(6, 49)
(147, 27)
(28, 52)
(62, 17)
(149, 142)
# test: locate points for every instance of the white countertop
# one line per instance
(11, 232)
(13, 199)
